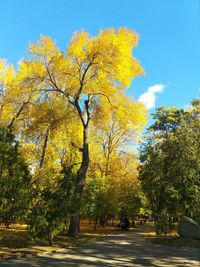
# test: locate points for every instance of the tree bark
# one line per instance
(44, 148)
(73, 230)
(80, 184)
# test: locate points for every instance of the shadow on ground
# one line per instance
(124, 249)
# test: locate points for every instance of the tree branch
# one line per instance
(83, 77)
(102, 94)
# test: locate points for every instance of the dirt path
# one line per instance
(124, 249)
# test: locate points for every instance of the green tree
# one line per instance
(100, 201)
(170, 167)
(51, 204)
(14, 179)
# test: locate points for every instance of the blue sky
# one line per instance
(169, 47)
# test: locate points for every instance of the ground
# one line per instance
(116, 249)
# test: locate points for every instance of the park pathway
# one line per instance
(116, 250)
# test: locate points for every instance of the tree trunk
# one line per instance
(73, 230)
(44, 148)
(80, 184)
(51, 240)
(95, 225)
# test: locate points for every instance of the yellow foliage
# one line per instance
(7, 73)
(27, 151)
(49, 91)
(44, 48)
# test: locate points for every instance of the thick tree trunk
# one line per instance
(44, 148)
(74, 225)
(80, 184)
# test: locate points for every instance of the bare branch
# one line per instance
(18, 114)
(102, 94)
(83, 77)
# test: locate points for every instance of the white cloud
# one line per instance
(149, 97)
(157, 88)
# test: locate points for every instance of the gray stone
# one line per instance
(189, 228)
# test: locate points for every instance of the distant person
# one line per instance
(125, 224)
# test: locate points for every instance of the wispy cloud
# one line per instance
(149, 97)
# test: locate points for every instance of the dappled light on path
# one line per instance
(126, 249)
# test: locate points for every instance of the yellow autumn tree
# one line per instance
(90, 76)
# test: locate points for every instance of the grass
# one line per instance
(173, 240)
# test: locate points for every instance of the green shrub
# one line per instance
(164, 223)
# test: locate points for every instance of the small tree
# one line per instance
(100, 202)
(51, 204)
(164, 223)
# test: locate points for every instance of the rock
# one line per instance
(189, 228)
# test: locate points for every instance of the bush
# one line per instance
(164, 223)
(14, 179)
(50, 206)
